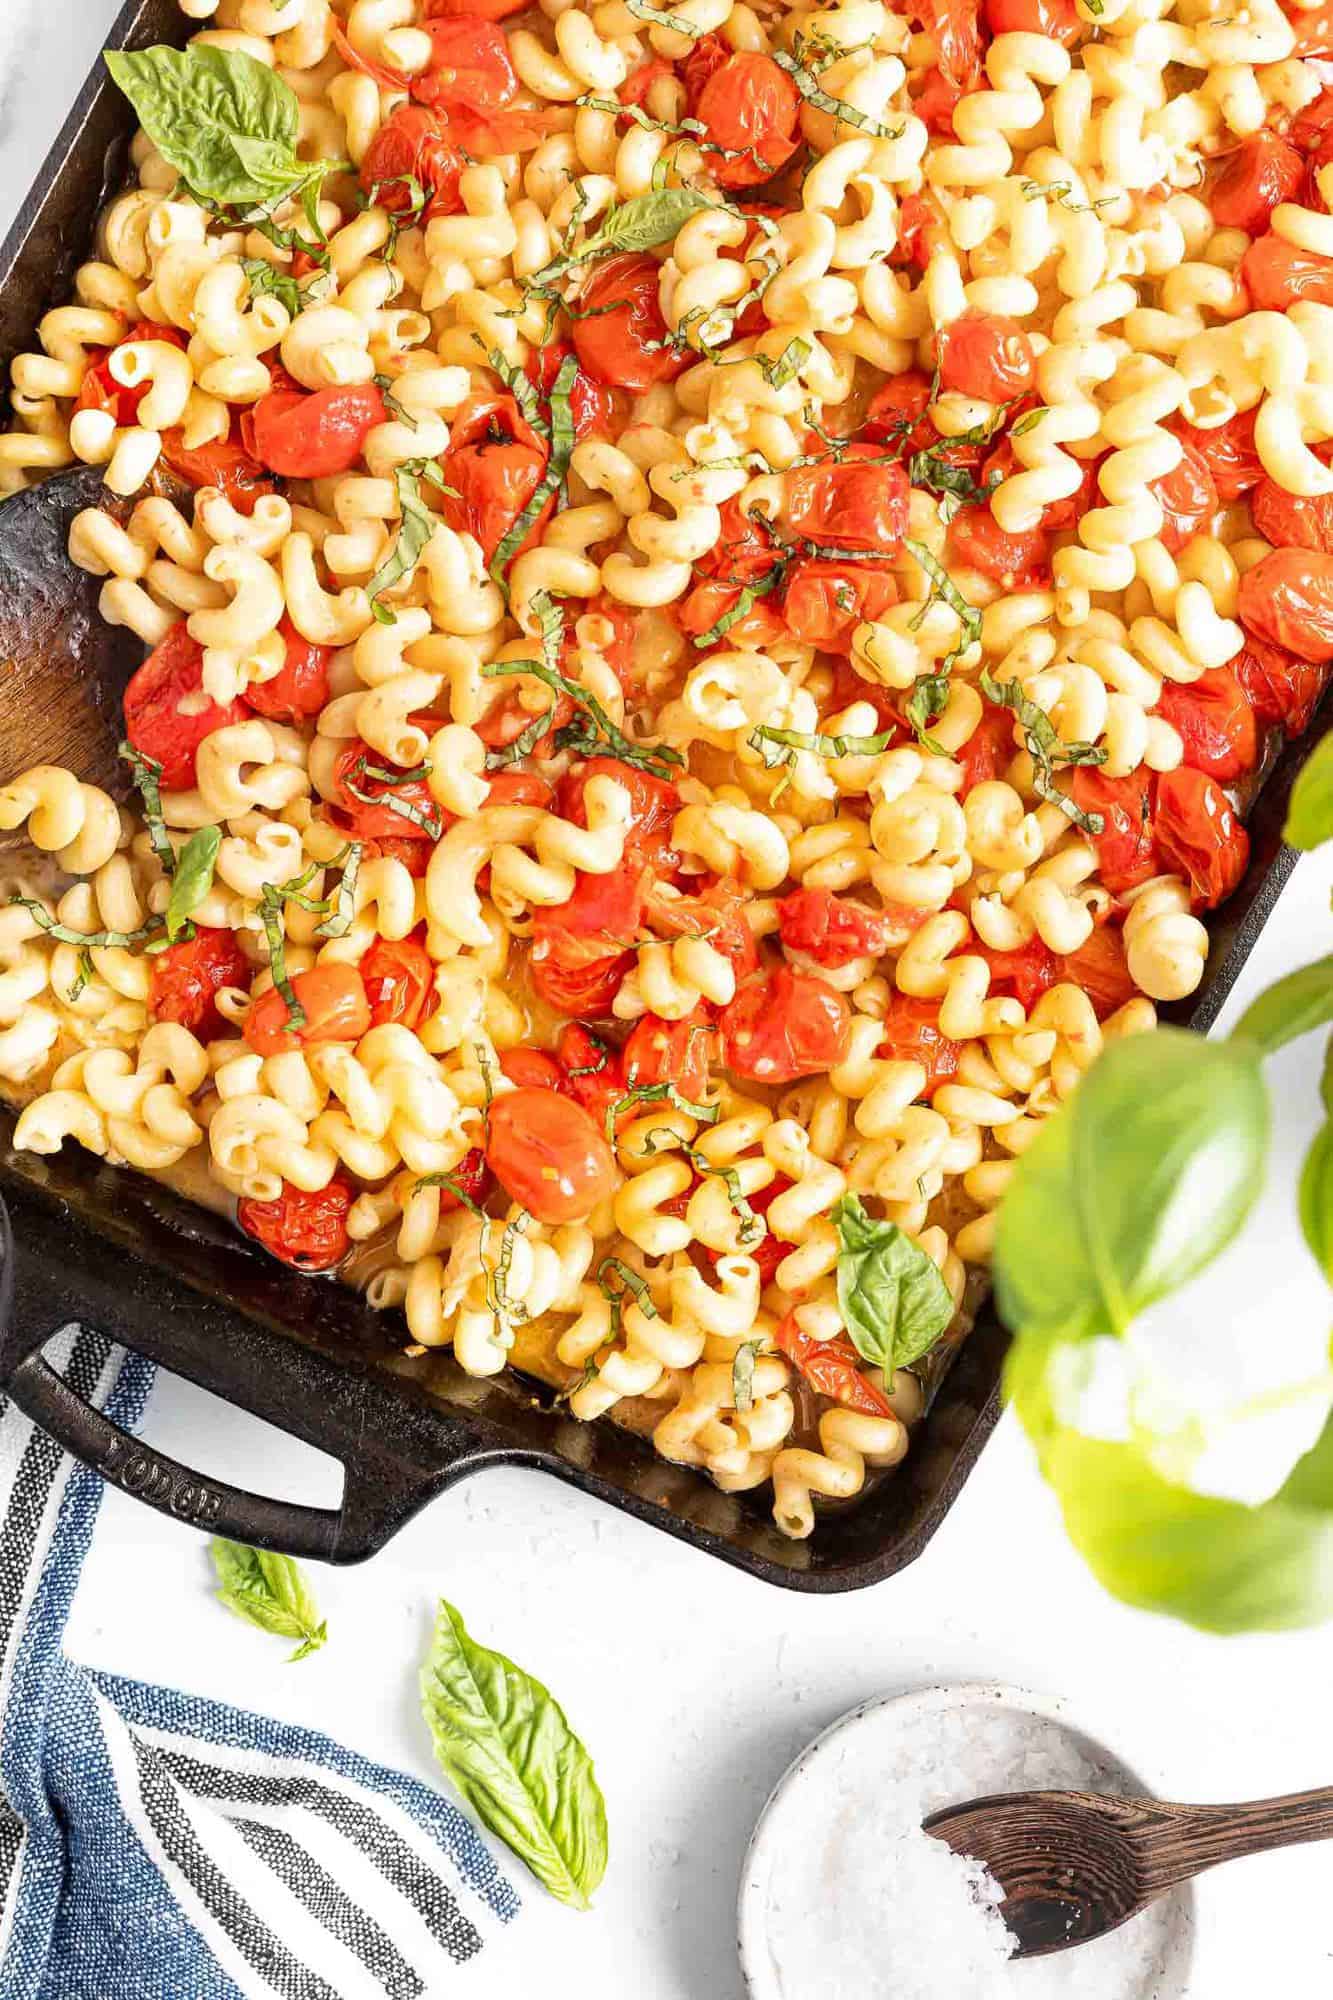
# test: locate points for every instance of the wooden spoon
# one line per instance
(1074, 1865)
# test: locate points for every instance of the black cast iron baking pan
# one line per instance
(174, 1282)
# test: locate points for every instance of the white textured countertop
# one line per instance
(693, 1685)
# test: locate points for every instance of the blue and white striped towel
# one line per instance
(160, 1846)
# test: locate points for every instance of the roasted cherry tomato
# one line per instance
(1188, 497)
(301, 688)
(399, 979)
(1291, 520)
(912, 1033)
(471, 1176)
(977, 541)
(990, 749)
(592, 1074)
(987, 356)
(469, 65)
(306, 1229)
(1003, 462)
(955, 28)
(1215, 721)
(859, 501)
(1276, 274)
(1312, 124)
(1228, 452)
(485, 10)
(1314, 30)
(1262, 171)
(653, 805)
(1281, 688)
(592, 406)
(166, 714)
(313, 434)
(1101, 970)
(531, 1069)
(716, 912)
(334, 1003)
(1287, 600)
(824, 602)
(494, 464)
(582, 948)
(742, 557)
(379, 807)
(1055, 20)
(413, 145)
(1023, 974)
(771, 1248)
(751, 109)
(921, 229)
(100, 390)
(897, 412)
(784, 1025)
(548, 1155)
(832, 1368)
(1126, 855)
(187, 978)
(832, 930)
(622, 346)
(1199, 836)
(224, 463)
(678, 1052)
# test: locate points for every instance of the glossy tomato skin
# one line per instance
(472, 1175)
(582, 948)
(1126, 854)
(1290, 520)
(1188, 496)
(1276, 274)
(832, 930)
(1055, 20)
(469, 65)
(531, 1069)
(335, 1006)
(990, 749)
(365, 817)
(619, 347)
(717, 912)
(314, 434)
(824, 602)
(988, 356)
(485, 10)
(912, 1033)
(653, 805)
(399, 979)
(1287, 600)
(307, 1230)
(165, 716)
(678, 1052)
(832, 1368)
(187, 978)
(1199, 836)
(100, 390)
(413, 145)
(1229, 453)
(591, 404)
(1282, 689)
(224, 464)
(1016, 560)
(784, 1026)
(548, 1155)
(858, 502)
(1314, 31)
(955, 28)
(1262, 171)
(494, 464)
(301, 688)
(897, 412)
(1215, 721)
(1100, 969)
(591, 1073)
(1023, 974)
(750, 107)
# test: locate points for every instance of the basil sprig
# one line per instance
(270, 1591)
(193, 879)
(641, 223)
(893, 1301)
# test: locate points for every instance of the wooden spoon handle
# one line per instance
(1176, 1842)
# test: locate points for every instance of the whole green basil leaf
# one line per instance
(269, 1591)
(506, 1745)
(1291, 1007)
(1138, 1182)
(894, 1303)
(1316, 1199)
(645, 220)
(227, 123)
(1310, 812)
(193, 877)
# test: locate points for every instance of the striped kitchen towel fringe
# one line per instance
(155, 1845)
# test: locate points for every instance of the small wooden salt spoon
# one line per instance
(1074, 1865)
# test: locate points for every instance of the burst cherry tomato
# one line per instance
(494, 464)
(621, 346)
(832, 930)
(471, 1176)
(1215, 721)
(750, 108)
(955, 28)
(832, 1368)
(824, 602)
(1262, 171)
(305, 434)
(592, 1074)
(1281, 688)
(1291, 520)
(987, 356)
(187, 978)
(897, 412)
(399, 979)
(469, 66)
(1101, 970)
(653, 805)
(912, 1033)
(1199, 835)
(1023, 974)
(485, 10)
(301, 688)
(921, 229)
(717, 912)
(990, 749)
(1055, 20)
(306, 1229)
(592, 405)
(166, 714)
(1229, 453)
(977, 541)
(1188, 497)
(678, 1052)
(1126, 855)
(548, 1155)
(582, 948)
(100, 390)
(531, 1069)
(373, 807)
(224, 463)
(858, 502)
(1310, 127)
(785, 1025)
(1314, 31)
(1287, 600)
(413, 145)
(1277, 274)
(333, 1001)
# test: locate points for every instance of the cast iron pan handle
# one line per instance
(335, 1408)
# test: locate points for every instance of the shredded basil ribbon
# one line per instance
(656, 1093)
(818, 745)
(807, 83)
(1046, 749)
(147, 775)
(417, 524)
(557, 465)
(87, 940)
